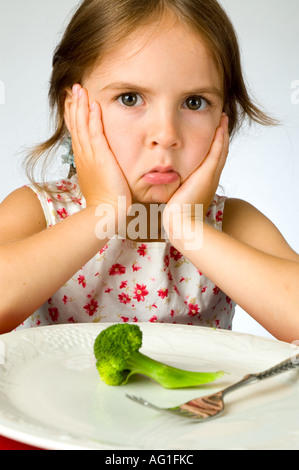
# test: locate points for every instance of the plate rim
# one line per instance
(43, 442)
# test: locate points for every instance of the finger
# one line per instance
(73, 118)
(82, 122)
(98, 139)
(225, 146)
(216, 158)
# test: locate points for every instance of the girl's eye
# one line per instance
(196, 103)
(129, 99)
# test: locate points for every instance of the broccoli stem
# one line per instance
(168, 376)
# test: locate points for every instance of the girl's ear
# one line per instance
(67, 108)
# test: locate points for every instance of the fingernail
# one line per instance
(80, 93)
(74, 89)
(92, 106)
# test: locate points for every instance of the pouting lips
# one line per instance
(161, 175)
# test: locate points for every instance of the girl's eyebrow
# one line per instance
(124, 86)
(130, 86)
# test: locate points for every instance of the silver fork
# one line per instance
(212, 406)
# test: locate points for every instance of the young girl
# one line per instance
(150, 94)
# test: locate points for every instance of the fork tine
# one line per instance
(177, 410)
(145, 403)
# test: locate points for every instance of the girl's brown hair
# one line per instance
(98, 26)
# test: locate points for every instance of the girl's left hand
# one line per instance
(201, 186)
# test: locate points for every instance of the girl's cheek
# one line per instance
(201, 143)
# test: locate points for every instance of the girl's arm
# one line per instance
(249, 260)
(35, 262)
(261, 274)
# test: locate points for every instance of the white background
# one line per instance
(263, 166)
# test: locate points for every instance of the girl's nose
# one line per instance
(164, 132)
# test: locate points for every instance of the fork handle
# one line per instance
(283, 366)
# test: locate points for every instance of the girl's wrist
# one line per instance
(187, 236)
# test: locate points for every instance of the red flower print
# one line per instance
(219, 216)
(125, 319)
(216, 290)
(163, 293)
(117, 269)
(71, 320)
(82, 281)
(142, 250)
(77, 200)
(103, 249)
(92, 307)
(64, 186)
(108, 290)
(62, 213)
(153, 319)
(65, 300)
(166, 260)
(204, 289)
(174, 253)
(135, 319)
(140, 292)
(228, 300)
(54, 313)
(193, 310)
(172, 313)
(124, 298)
(123, 284)
(176, 289)
(135, 267)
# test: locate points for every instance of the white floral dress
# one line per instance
(129, 281)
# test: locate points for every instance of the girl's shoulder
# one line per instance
(246, 223)
(21, 215)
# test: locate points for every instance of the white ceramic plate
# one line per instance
(51, 395)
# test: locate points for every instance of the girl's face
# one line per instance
(161, 98)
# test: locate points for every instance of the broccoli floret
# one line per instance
(117, 354)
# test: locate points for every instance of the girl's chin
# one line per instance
(157, 194)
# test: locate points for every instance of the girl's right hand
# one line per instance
(100, 178)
